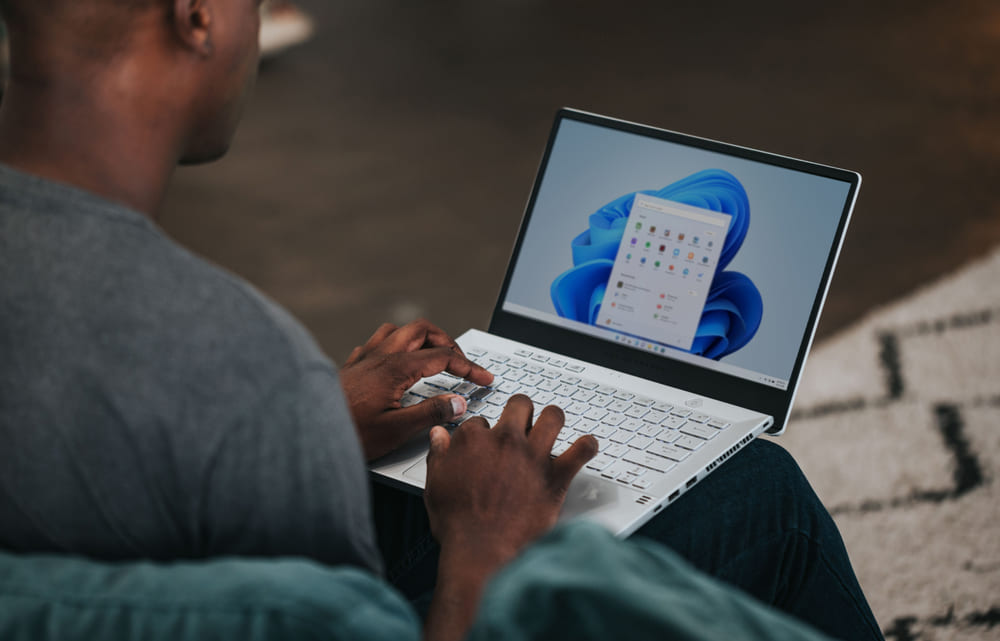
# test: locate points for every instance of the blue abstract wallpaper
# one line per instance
(733, 309)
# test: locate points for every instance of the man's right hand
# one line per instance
(378, 373)
(489, 493)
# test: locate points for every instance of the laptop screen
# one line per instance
(683, 249)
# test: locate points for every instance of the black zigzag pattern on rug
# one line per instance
(967, 471)
(911, 628)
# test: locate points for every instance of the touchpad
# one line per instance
(589, 493)
(417, 472)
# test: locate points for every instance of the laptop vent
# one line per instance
(746, 439)
(642, 500)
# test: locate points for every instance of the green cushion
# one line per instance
(580, 583)
(69, 599)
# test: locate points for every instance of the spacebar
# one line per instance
(651, 461)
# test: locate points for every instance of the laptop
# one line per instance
(664, 291)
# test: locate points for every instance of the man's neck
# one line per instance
(95, 137)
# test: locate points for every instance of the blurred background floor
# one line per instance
(382, 168)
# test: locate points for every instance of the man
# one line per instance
(152, 405)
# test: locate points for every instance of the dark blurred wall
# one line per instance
(382, 168)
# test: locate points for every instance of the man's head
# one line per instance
(183, 64)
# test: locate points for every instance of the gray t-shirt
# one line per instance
(152, 405)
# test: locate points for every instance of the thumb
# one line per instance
(440, 442)
(572, 461)
(432, 411)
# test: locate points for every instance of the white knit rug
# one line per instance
(898, 427)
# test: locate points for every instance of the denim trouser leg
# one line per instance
(755, 523)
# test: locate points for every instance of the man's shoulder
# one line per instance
(106, 280)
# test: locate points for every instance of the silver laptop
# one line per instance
(663, 291)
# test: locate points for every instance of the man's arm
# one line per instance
(491, 492)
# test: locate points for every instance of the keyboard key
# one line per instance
(587, 385)
(616, 469)
(622, 395)
(424, 390)
(674, 422)
(575, 368)
(541, 358)
(509, 387)
(497, 358)
(650, 430)
(475, 406)
(645, 459)
(516, 363)
(560, 447)
(409, 400)
(497, 369)
(571, 380)
(667, 436)
(444, 380)
(718, 424)
(480, 393)
(523, 353)
(548, 385)
(619, 406)
(557, 363)
(655, 417)
(613, 449)
(600, 400)
(662, 407)
(603, 431)
(550, 373)
(636, 411)
(565, 390)
(642, 483)
(607, 390)
(642, 400)
(702, 432)
(491, 411)
(542, 398)
(585, 426)
(621, 436)
(582, 396)
(613, 419)
(640, 442)
(576, 408)
(681, 412)
(531, 380)
(533, 368)
(511, 375)
(498, 398)
(699, 418)
(465, 388)
(668, 451)
(596, 413)
(631, 424)
(600, 462)
(475, 352)
(689, 442)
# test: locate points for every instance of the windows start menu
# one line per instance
(664, 268)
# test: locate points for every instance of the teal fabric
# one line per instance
(580, 583)
(48, 598)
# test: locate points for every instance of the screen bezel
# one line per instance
(675, 373)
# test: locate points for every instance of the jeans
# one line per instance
(754, 523)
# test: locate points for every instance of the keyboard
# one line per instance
(640, 438)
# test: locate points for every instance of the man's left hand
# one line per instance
(378, 373)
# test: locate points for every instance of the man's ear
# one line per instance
(193, 25)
